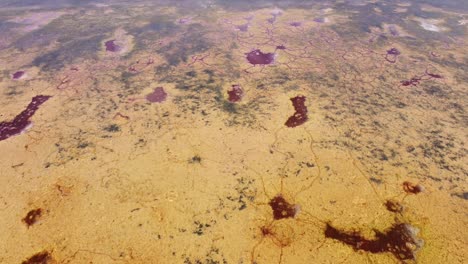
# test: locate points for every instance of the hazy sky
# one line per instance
(457, 4)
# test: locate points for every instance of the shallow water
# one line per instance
(233, 132)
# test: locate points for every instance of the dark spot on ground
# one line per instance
(257, 57)
(409, 187)
(22, 120)
(375, 180)
(43, 257)
(394, 206)
(111, 46)
(195, 159)
(300, 115)
(157, 96)
(17, 75)
(235, 94)
(282, 208)
(32, 216)
(83, 145)
(201, 227)
(401, 240)
(434, 90)
(463, 195)
(112, 128)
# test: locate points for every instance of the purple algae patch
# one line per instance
(393, 51)
(392, 55)
(319, 20)
(111, 46)
(280, 47)
(157, 96)
(256, 57)
(236, 94)
(295, 24)
(300, 114)
(17, 75)
(243, 28)
(21, 121)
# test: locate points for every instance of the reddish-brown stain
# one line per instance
(32, 216)
(413, 81)
(300, 115)
(400, 240)
(236, 94)
(394, 206)
(266, 231)
(282, 208)
(409, 187)
(43, 257)
(22, 120)
(257, 57)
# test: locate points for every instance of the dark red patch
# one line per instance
(32, 217)
(416, 80)
(17, 75)
(282, 209)
(256, 57)
(111, 46)
(300, 114)
(21, 121)
(400, 240)
(236, 94)
(157, 96)
(409, 187)
(413, 81)
(39, 258)
(265, 231)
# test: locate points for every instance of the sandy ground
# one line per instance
(104, 176)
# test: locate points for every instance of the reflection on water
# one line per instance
(233, 131)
